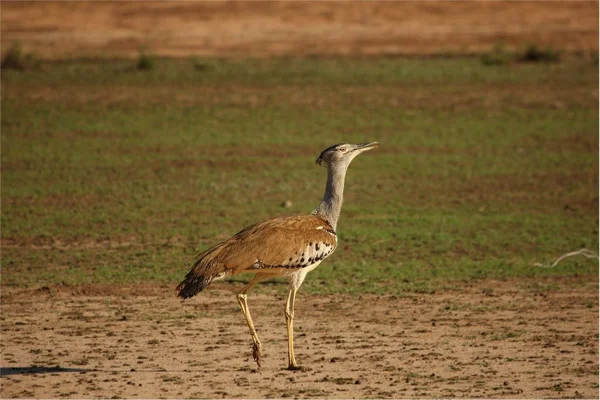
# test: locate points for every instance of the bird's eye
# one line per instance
(343, 149)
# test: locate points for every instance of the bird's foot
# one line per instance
(257, 353)
(294, 367)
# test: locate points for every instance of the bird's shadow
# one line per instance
(6, 371)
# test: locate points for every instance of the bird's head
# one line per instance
(343, 153)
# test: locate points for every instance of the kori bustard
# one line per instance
(285, 246)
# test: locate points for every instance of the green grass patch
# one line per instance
(115, 175)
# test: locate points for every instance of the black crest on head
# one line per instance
(320, 159)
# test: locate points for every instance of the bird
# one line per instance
(289, 246)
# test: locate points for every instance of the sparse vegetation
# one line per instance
(145, 61)
(535, 54)
(532, 54)
(14, 58)
(119, 177)
(498, 56)
(201, 65)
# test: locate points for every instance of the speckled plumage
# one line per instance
(272, 246)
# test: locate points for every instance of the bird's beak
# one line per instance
(366, 146)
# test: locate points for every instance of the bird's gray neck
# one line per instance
(331, 205)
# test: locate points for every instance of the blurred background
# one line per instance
(225, 28)
(135, 134)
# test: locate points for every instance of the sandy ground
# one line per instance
(491, 339)
(75, 29)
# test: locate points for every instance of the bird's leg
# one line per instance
(257, 347)
(243, 300)
(289, 319)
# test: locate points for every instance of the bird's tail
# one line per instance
(192, 285)
(206, 269)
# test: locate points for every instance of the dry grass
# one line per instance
(58, 30)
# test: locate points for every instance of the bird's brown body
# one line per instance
(285, 246)
(279, 246)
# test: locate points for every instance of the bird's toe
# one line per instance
(257, 353)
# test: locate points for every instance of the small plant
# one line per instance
(15, 59)
(594, 58)
(534, 54)
(145, 61)
(201, 65)
(496, 57)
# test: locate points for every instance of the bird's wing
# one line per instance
(286, 242)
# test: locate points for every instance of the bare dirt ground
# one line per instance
(75, 29)
(491, 339)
